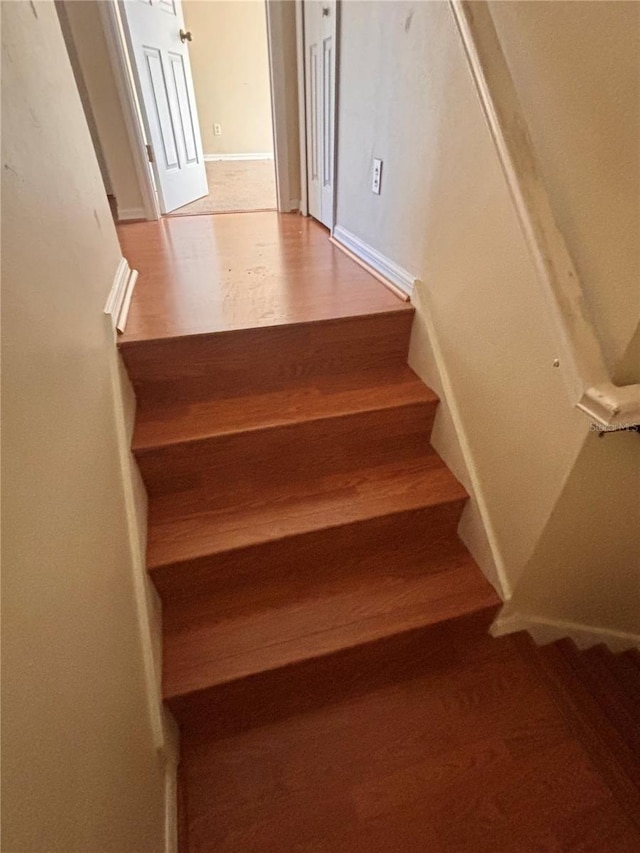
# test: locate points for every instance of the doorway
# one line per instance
(98, 33)
(230, 67)
(201, 74)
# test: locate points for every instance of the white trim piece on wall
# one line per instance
(279, 113)
(544, 631)
(119, 298)
(336, 109)
(165, 734)
(146, 598)
(374, 259)
(208, 158)
(302, 109)
(504, 586)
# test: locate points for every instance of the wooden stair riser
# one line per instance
(230, 708)
(261, 359)
(223, 470)
(272, 572)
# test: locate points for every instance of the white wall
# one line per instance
(85, 30)
(586, 564)
(80, 767)
(230, 66)
(445, 215)
(577, 70)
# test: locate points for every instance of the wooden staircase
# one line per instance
(296, 508)
(326, 647)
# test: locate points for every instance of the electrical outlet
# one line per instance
(376, 178)
(217, 129)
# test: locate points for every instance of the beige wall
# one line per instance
(282, 30)
(85, 28)
(231, 74)
(587, 563)
(80, 769)
(577, 70)
(445, 215)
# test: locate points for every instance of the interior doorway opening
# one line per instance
(229, 60)
(219, 115)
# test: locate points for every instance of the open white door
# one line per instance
(320, 75)
(154, 30)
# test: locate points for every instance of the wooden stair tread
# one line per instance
(322, 398)
(206, 652)
(345, 499)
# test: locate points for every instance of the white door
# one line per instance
(162, 73)
(319, 75)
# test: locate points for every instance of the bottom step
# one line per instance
(203, 650)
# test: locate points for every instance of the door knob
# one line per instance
(325, 11)
(185, 36)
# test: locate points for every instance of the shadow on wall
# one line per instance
(586, 565)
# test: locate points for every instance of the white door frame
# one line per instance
(279, 111)
(302, 109)
(119, 56)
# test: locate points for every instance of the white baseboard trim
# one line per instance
(384, 266)
(544, 631)
(171, 757)
(209, 158)
(126, 214)
(422, 298)
(119, 298)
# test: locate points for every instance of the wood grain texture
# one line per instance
(259, 360)
(320, 398)
(234, 468)
(601, 739)
(323, 504)
(325, 630)
(619, 676)
(449, 741)
(204, 649)
(603, 685)
(219, 273)
(278, 571)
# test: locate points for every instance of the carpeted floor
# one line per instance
(235, 185)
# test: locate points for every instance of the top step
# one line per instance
(264, 359)
(242, 271)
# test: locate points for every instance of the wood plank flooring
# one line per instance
(239, 271)
(450, 743)
(325, 646)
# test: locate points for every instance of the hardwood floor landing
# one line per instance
(237, 271)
